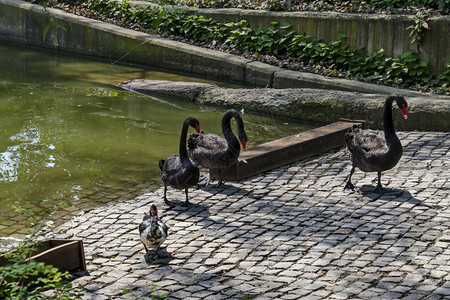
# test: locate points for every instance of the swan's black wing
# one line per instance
(368, 148)
(206, 149)
(370, 142)
(171, 169)
(210, 141)
(179, 174)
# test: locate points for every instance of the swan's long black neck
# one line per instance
(389, 130)
(182, 150)
(233, 142)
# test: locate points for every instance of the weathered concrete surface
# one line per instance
(425, 111)
(165, 88)
(293, 79)
(324, 106)
(291, 233)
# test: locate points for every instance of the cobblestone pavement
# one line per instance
(291, 233)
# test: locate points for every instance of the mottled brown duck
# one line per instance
(152, 233)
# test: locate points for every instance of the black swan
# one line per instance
(212, 151)
(178, 171)
(152, 232)
(376, 151)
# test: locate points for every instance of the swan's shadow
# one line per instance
(164, 257)
(227, 188)
(399, 194)
(194, 209)
(179, 206)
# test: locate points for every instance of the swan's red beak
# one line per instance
(404, 112)
(244, 145)
(197, 128)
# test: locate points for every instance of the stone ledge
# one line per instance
(317, 106)
(167, 89)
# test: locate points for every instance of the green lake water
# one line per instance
(67, 133)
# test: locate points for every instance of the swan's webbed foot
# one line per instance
(349, 187)
(220, 183)
(379, 190)
(168, 203)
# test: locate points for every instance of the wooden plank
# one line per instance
(286, 150)
(66, 255)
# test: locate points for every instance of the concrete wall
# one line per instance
(24, 23)
(373, 32)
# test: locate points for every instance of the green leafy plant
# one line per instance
(417, 31)
(242, 37)
(153, 289)
(440, 5)
(444, 77)
(52, 28)
(23, 278)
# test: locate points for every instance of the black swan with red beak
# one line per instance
(214, 152)
(376, 151)
(178, 171)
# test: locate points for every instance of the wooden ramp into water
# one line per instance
(287, 150)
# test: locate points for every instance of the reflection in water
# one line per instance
(68, 134)
(26, 147)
